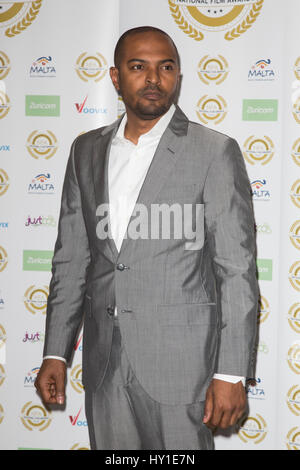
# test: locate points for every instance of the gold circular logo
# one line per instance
(264, 309)
(211, 109)
(253, 429)
(294, 275)
(16, 17)
(1, 413)
(293, 439)
(2, 372)
(296, 110)
(4, 182)
(2, 336)
(3, 258)
(35, 417)
(293, 358)
(293, 399)
(76, 378)
(296, 151)
(213, 69)
(91, 67)
(258, 150)
(297, 68)
(78, 446)
(295, 234)
(4, 65)
(295, 193)
(4, 104)
(294, 317)
(41, 145)
(35, 299)
(196, 21)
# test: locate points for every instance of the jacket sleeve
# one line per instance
(69, 268)
(230, 229)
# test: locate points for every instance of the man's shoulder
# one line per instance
(92, 135)
(202, 134)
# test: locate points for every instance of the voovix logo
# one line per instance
(83, 109)
(77, 422)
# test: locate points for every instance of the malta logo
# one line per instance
(76, 378)
(4, 104)
(4, 182)
(35, 417)
(15, 17)
(296, 151)
(213, 69)
(91, 67)
(4, 65)
(258, 150)
(253, 429)
(211, 109)
(35, 299)
(294, 317)
(293, 439)
(208, 17)
(293, 399)
(293, 357)
(295, 193)
(42, 145)
(264, 309)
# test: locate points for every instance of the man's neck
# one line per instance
(135, 126)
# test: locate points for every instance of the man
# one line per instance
(169, 324)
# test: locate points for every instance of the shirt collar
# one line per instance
(155, 133)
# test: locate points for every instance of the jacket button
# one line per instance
(121, 266)
(110, 310)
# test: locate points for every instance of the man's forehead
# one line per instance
(149, 44)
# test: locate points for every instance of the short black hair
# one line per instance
(138, 30)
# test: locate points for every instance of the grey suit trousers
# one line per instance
(122, 416)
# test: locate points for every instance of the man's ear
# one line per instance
(114, 75)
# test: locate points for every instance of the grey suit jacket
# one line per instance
(184, 314)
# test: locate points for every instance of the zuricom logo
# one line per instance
(260, 110)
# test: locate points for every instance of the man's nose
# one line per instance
(153, 76)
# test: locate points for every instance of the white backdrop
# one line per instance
(241, 76)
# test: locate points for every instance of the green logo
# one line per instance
(260, 110)
(264, 268)
(37, 260)
(42, 105)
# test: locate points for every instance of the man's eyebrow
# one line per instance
(144, 61)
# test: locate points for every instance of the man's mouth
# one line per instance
(152, 95)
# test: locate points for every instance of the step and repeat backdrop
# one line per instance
(241, 76)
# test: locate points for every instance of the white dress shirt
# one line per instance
(127, 168)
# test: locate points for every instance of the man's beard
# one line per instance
(151, 111)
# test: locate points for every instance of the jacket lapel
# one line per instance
(100, 177)
(161, 166)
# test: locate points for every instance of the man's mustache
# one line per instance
(152, 88)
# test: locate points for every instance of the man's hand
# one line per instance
(50, 382)
(225, 404)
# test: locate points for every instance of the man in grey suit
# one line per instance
(169, 322)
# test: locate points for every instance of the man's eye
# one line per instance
(167, 67)
(137, 67)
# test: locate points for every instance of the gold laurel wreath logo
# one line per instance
(229, 36)
(247, 23)
(26, 21)
(183, 24)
